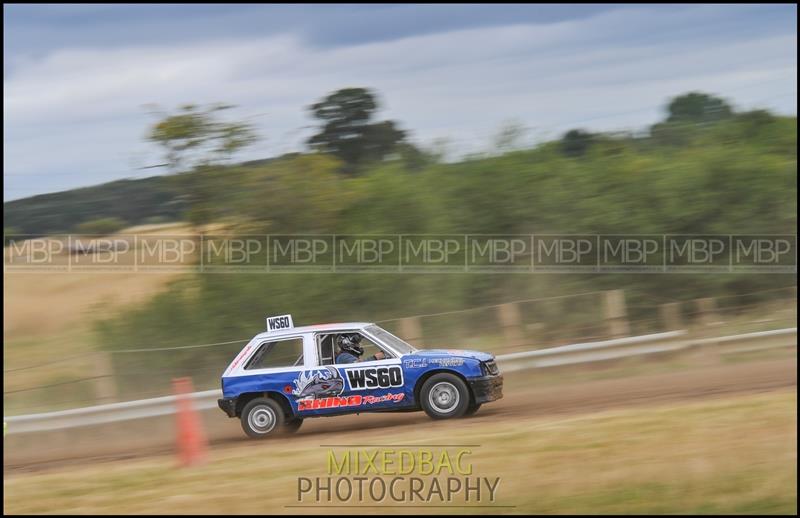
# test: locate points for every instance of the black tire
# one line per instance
(471, 409)
(292, 425)
(444, 396)
(262, 417)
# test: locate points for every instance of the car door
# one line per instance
(374, 384)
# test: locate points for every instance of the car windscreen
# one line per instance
(389, 339)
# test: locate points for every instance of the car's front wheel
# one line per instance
(261, 417)
(444, 396)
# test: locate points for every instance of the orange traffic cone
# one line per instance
(191, 439)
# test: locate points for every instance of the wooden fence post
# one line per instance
(615, 313)
(671, 316)
(411, 330)
(511, 322)
(104, 387)
(706, 311)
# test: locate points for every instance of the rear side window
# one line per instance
(278, 353)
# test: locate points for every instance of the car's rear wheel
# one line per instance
(262, 417)
(471, 409)
(292, 425)
(444, 396)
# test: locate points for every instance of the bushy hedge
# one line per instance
(736, 176)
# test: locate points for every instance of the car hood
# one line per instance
(454, 353)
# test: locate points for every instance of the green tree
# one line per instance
(576, 143)
(347, 130)
(295, 194)
(510, 136)
(698, 107)
(415, 158)
(195, 136)
(689, 114)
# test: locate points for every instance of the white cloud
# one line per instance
(79, 110)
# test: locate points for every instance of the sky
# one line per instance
(77, 78)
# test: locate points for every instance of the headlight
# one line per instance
(490, 368)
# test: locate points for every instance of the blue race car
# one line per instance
(287, 374)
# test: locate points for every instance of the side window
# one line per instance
(328, 351)
(370, 348)
(280, 353)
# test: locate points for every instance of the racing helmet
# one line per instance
(350, 344)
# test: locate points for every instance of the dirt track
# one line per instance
(586, 397)
(523, 397)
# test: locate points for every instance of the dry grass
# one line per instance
(40, 305)
(47, 316)
(732, 455)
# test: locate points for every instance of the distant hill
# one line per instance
(138, 201)
(156, 199)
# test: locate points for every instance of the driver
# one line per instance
(350, 350)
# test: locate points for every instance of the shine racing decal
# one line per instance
(347, 401)
(364, 378)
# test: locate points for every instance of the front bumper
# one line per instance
(228, 405)
(487, 388)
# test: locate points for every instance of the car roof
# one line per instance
(340, 326)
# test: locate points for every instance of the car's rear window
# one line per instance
(278, 353)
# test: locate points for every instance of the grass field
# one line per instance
(69, 297)
(736, 454)
(47, 316)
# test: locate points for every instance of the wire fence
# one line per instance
(141, 372)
